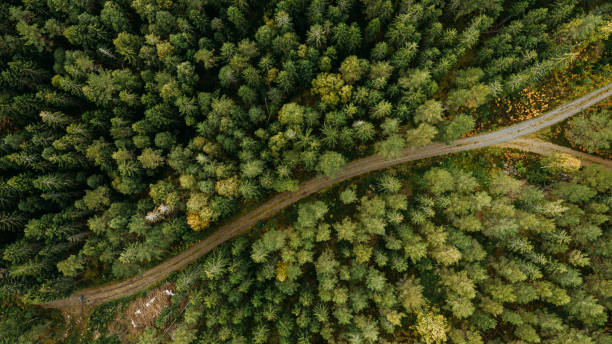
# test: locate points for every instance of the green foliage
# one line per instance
(392, 147)
(21, 323)
(348, 196)
(331, 163)
(455, 128)
(97, 199)
(324, 271)
(70, 266)
(438, 181)
(593, 131)
(126, 126)
(429, 112)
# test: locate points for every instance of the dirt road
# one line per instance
(546, 148)
(98, 295)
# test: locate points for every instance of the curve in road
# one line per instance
(98, 295)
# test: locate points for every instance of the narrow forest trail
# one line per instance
(547, 148)
(95, 296)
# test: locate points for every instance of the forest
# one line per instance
(442, 257)
(132, 129)
(425, 253)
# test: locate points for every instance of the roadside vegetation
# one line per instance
(131, 127)
(479, 247)
(590, 131)
(589, 71)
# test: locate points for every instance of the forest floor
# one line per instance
(93, 297)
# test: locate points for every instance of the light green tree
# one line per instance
(330, 163)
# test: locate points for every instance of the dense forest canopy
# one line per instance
(593, 131)
(128, 126)
(441, 255)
